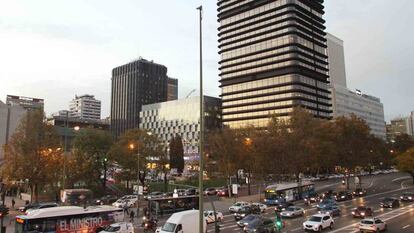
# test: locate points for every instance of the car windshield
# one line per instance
(361, 208)
(315, 219)
(112, 228)
(168, 227)
(328, 208)
(237, 204)
(290, 209)
(408, 194)
(388, 199)
(249, 218)
(367, 222)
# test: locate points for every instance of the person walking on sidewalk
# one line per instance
(13, 203)
(132, 215)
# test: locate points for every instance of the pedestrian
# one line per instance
(13, 203)
(126, 207)
(132, 215)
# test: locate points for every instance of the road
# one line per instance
(378, 187)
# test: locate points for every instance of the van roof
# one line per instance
(176, 217)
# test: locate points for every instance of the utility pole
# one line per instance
(65, 149)
(201, 150)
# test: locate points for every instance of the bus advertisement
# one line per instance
(69, 219)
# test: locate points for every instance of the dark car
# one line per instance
(106, 200)
(359, 192)
(40, 206)
(390, 202)
(210, 191)
(223, 192)
(343, 196)
(191, 191)
(331, 210)
(281, 206)
(326, 203)
(261, 225)
(328, 194)
(407, 196)
(362, 212)
(311, 198)
(246, 210)
(246, 220)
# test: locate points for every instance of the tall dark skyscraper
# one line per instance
(133, 85)
(272, 59)
(172, 89)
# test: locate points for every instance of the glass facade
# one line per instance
(273, 58)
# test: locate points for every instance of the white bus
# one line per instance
(287, 192)
(69, 219)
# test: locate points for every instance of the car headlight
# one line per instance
(363, 214)
(242, 215)
(238, 223)
(235, 214)
(342, 196)
(353, 212)
(410, 198)
(401, 197)
(360, 193)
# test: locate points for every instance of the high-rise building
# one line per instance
(346, 102)
(273, 58)
(398, 126)
(411, 124)
(133, 85)
(172, 89)
(85, 107)
(25, 102)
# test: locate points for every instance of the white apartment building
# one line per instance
(10, 116)
(85, 107)
(346, 102)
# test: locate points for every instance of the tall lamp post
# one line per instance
(201, 150)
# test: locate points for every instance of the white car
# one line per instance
(120, 227)
(262, 206)
(237, 206)
(318, 222)
(292, 211)
(209, 216)
(128, 200)
(372, 225)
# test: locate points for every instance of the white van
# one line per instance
(182, 222)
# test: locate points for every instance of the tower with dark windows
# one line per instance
(272, 59)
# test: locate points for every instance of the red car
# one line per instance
(223, 192)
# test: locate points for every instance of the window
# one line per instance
(325, 218)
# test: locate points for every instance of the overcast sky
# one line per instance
(54, 49)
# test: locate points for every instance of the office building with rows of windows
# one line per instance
(273, 58)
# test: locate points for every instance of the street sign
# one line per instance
(140, 189)
(234, 188)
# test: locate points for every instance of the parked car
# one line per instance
(390, 202)
(326, 203)
(261, 206)
(120, 227)
(210, 191)
(246, 210)
(359, 192)
(407, 196)
(237, 206)
(281, 206)
(191, 191)
(343, 196)
(154, 195)
(41, 206)
(362, 212)
(331, 210)
(260, 225)
(210, 218)
(292, 211)
(223, 192)
(246, 220)
(318, 222)
(372, 225)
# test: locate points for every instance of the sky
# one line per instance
(56, 49)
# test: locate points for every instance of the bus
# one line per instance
(169, 205)
(276, 193)
(69, 219)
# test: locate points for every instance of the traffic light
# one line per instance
(278, 222)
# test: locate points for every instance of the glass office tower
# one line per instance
(272, 59)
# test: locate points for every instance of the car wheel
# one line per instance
(320, 229)
(331, 226)
(385, 227)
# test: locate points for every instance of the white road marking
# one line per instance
(406, 226)
(401, 178)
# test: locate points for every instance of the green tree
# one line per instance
(177, 154)
(89, 159)
(133, 146)
(405, 162)
(402, 143)
(32, 150)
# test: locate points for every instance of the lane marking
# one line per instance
(406, 226)
(401, 178)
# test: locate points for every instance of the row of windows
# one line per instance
(264, 122)
(227, 7)
(273, 81)
(267, 113)
(256, 107)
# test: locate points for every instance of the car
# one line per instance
(168, 194)
(223, 192)
(191, 191)
(246, 220)
(292, 211)
(311, 198)
(281, 206)
(361, 212)
(407, 196)
(246, 210)
(127, 200)
(318, 222)
(41, 206)
(372, 225)
(210, 218)
(331, 210)
(328, 194)
(359, 192)
(390, 202)
(237, 206)
(106, 200)
(210, 192)
(260, 225)
(180, 192)
(155, 194)
(120, 227)
(343, 196)
(261, 206)
(28, 206)
(326, 203)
